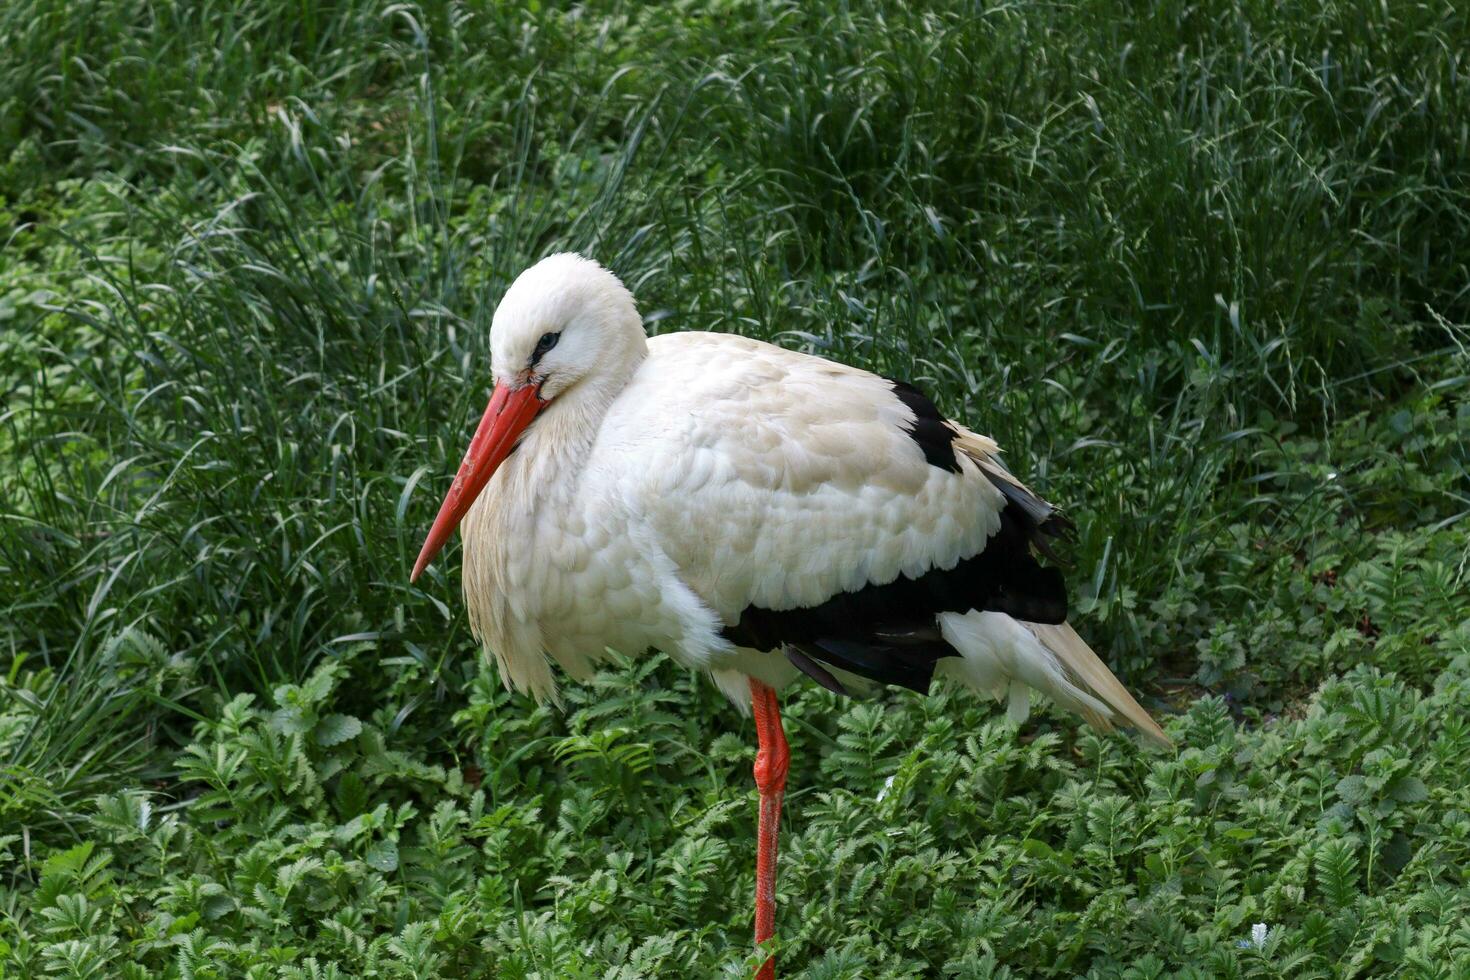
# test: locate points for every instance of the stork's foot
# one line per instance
(772, 759)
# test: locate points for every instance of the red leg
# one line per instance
(772, 760)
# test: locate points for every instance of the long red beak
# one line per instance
(506, 417)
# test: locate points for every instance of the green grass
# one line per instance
(1201, 270)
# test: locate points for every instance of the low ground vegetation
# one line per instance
(1201, 269)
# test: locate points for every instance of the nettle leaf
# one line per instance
(216, 906)
(1353, 790)
(290, 721)
(1409, 789)
(336, 729)
(383, 855)
(352, 795)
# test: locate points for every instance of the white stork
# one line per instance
(754, 512)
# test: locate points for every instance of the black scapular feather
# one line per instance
(930, 429)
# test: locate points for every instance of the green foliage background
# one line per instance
(1200, 267)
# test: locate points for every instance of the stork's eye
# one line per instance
(547, 341)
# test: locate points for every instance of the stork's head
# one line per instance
(564, 320)
(566, 333)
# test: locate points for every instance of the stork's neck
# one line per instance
(566, 429)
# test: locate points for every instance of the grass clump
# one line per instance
(1200, 269)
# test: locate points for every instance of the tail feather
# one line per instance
(1003, 657)
(1078, 658)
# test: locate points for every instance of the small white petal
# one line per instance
(887, 785)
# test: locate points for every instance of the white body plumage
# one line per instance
(669, 484)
